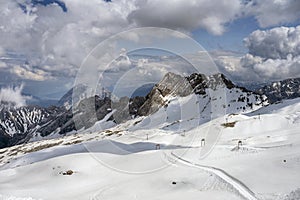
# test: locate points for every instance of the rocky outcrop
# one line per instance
(172, 84)
(280, 90)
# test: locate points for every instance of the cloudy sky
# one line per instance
(44, 42)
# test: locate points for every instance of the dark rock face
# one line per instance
(200, 82)
(85, 115)
(90, 110)
(171, 84)
(4, 139)
(280, 90)
(135, 104)
(121, 108)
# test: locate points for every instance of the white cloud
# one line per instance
(273, 55)
(57, 41)
(276, 43)
(2, 52)
(211, 15)
(26, 72)
(121, 63)
(3, 65)
(272, 69)
(230, 63)
(13, 96)
(147, 35)
(54, 43)
(270, 13)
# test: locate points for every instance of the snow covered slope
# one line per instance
(125, 162)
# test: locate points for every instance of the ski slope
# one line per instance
(237, 185)
(123, 162)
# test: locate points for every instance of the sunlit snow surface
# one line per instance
(123, 164)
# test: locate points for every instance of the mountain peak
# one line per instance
(174, 85)
(279, 90)
(212, 92)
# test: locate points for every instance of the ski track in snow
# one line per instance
(240, 187)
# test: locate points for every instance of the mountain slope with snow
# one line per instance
(15, 123)
(210, 97)
(124, 162)
(280, 90)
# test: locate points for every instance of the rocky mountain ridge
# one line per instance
(279, 90)
(214, 92)
(207, 88)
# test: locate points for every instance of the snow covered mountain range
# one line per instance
(215, 95)
(16, 123)
(123, 162)
(279, 90)
(134, 148)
